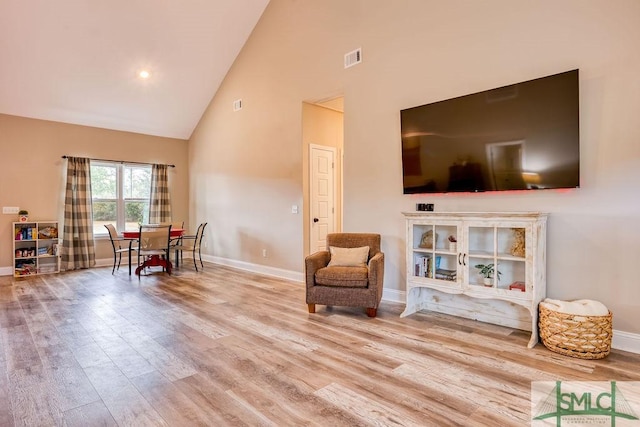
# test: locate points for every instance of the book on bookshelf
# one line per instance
(423, 266)
(517, 286)
(444, 274)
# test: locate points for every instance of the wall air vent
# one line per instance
(352, 58)
(237, 105)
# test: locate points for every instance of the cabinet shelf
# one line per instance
(499, 256)
(513, 242)
(35, 248)
(436, 251)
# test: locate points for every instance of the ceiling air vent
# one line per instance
(352, 58)
(237, 105)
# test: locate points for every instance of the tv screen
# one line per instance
(519, 137)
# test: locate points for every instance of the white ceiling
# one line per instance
(76, 61)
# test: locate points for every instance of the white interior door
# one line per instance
(506, 161)
(321, 195)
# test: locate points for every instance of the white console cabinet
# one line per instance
(513, 243)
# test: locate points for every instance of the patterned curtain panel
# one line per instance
(78, 250)
(159, 205)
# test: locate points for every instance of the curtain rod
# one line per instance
(121, 161)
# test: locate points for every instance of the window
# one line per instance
(120, 195)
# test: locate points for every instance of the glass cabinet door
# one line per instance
(435, 251)
(496, 257)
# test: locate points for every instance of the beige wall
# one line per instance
(321, 126)
(247, 168)
(32, 169)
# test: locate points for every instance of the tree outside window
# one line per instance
(120, 195)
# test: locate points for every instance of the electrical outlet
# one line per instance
(294, 209)
(264, 253)
(10, 209)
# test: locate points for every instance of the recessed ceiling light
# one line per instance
(144, 74)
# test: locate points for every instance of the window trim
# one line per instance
(120, 201)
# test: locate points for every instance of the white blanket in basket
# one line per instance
(581, 307)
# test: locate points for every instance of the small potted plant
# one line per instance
(487, 271)
(23, 215)
(453, 242)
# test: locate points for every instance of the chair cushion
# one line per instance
(348, 257)
(343, 277)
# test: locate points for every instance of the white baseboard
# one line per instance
(108, 262)
(622, 340)
(393, 295)
(625, 341)
(257, 268)
(104, 262)
(240, 265)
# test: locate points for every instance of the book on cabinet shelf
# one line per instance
(443, 274)
(424, 265)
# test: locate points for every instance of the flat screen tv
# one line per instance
(523, 136)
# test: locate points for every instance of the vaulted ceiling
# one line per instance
(79, 61)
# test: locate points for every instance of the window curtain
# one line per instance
(78, 250)
(160, 204)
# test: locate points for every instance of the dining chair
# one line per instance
(119, 248)
(175, 240)
(154, 243)
(173, 224)
(192, 243)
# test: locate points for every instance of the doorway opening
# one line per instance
(323, 139)
(506, 163)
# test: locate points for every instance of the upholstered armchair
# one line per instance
(348, 273)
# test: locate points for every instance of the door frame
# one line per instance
(489, 153)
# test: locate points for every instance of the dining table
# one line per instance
(153, 260)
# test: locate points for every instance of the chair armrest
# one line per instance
(376, 271)
(131, 246)
(126, 243)
(313, 263)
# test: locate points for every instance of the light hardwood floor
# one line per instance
(230, 348)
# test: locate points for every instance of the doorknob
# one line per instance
(315, 220)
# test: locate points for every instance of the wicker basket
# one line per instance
(584, 337)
